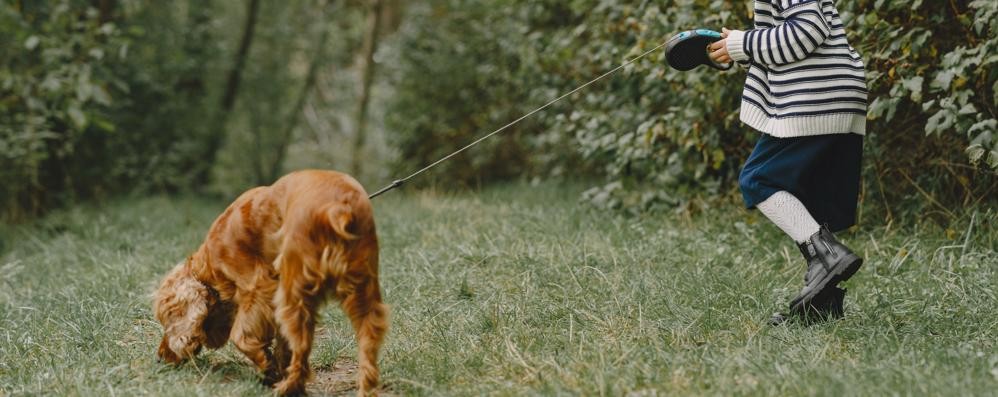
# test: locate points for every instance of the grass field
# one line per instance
(519, 291)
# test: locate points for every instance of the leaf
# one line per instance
(944, 79)
(31, 42)
(104, 124)
(77, 117)
(968, 109)
(939, 122)
(877, 108)
(914, 85)
(718, 156)
(100, 95)
(880, 106)
(976, 153)
(983, 131)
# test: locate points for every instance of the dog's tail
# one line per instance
(334, 228)
(339, 217)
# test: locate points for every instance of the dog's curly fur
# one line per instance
(267, 264)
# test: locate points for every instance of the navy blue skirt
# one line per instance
(822, 171)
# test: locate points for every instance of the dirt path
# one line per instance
(340, 379)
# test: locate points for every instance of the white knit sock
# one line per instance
(790, 215)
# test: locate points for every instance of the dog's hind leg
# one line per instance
(282, 355)
(370, 322)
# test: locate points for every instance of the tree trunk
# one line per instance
(258, 172)
(391, 16)
(367, 78)
(197, 45)
(236, 73)
(106, 11)
(218, 133)
(306, 90)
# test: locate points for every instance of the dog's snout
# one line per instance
(164, 354)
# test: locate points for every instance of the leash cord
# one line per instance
(399, 182)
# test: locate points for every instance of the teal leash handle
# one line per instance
(690, 49)
(713, 38)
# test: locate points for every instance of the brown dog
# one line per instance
(267, 264)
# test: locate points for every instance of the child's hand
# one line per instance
(719, 49)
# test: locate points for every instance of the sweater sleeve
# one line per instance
(804, 29)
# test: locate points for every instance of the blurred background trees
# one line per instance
(101, 98)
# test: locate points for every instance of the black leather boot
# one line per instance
(829, 262)
(826, 306)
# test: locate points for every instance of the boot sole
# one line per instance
(831, 279)
(809, 318)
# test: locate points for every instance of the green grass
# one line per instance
(519, 290)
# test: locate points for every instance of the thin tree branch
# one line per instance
(927, 195)
(367, 78)
(306, 90)
(217, 136)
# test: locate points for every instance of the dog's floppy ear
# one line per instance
(182, 304)
(197, 299)
(218, 325)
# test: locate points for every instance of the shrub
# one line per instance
(657, 136)
(54, 94)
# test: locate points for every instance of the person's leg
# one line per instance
(777, 167)
(790, 215)
(830, 188)
(829, 262)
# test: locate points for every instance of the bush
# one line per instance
(54, 94)
(89, 108)
(103, 97)
(459, 74)
(657, 136)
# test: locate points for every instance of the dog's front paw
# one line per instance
(269, 379)
(290, 387)
(271, 376)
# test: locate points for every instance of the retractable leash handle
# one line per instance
(689, 49)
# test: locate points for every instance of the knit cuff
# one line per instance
(736, 45)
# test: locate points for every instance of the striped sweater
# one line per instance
(804, 78)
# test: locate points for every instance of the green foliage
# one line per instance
(933, 87)
(650, 127)
(657, 136)
(99, 98)
(460, 73)
(274, 71)
(107, 97)
(93, 103)
(55, 94)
